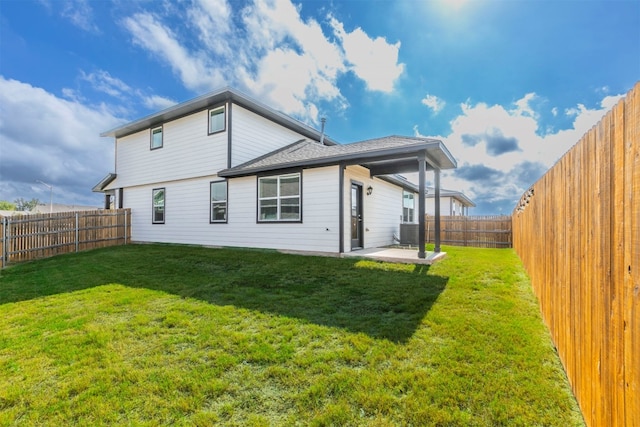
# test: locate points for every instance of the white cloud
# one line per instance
(293, 60)
(373, 60)
(500, 153)
(194, 70)
(268, 49)
(434, 103)
(610, 101)
(103, 81)
(155, 102)
(523, 105)
(52, 139)
(80, 13)
(212, 19)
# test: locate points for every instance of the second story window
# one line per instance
(216, 120)
(156, 137)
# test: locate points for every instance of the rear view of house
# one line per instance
(226, 170)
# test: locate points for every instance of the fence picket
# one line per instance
(28, 237)
(490, 231)
(579, 240)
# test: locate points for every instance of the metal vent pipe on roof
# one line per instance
(323, 121)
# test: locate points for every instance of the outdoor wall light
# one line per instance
(369, 190)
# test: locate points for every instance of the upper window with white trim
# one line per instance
(279, 198)
(217, 120)
(156, 137)
(408, 206)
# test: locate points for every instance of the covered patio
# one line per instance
(385, 158)
(395, 155)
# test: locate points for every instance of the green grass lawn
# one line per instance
(180, 335)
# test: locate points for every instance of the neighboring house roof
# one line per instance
(213, 99)
(464, 200)
(99, 187)
(383, 156)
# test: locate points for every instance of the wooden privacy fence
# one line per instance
(577, 231)
(28, 237)
(493, 231)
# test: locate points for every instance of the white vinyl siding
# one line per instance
(187, 217)
(254, 136)
(188, 151)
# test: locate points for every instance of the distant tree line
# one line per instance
(19, 204)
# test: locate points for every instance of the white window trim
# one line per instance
(279, 198)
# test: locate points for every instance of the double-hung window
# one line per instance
(279, 198)
(158, 205)
(218, 201)
(156, 137)
(217, 120)
(408, 206)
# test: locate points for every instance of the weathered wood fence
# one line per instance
(577, 231)
(27, 237)
(492, 231)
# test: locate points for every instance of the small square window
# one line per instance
(156, 138)
(216, 120)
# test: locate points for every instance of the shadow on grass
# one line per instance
(384, 301)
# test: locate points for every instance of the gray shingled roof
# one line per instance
(306, 153)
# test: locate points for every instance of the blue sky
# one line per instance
(508, 86)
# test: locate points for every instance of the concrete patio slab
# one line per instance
(406, 256)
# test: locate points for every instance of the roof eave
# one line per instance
(210, 100)
(100, 186)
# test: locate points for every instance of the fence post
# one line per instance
(125, 226)
(4, 240)
(7, 238)
(77, 231)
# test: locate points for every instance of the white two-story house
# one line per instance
(452, 203)
(226, 170)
